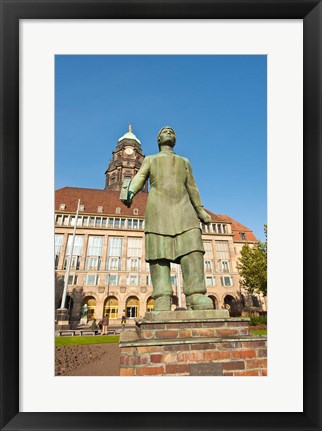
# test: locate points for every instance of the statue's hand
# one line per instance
(203, 216)
(128, 202)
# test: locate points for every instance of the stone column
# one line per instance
(84, 252)
(104, 253)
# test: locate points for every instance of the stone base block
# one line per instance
(184, 315)
(200, 346)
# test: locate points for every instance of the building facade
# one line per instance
(108, 271)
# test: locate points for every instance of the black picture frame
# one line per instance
(11, 12)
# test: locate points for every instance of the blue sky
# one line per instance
(216, 105)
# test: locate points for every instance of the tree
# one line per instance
(252, 267)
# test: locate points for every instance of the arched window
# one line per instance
(150, 304)
(111, 307)
(132, 307)
(90, 301)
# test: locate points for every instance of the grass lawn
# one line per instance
(258, 331)
(91, 339)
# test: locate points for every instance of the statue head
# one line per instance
(167, 136)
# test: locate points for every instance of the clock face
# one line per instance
(129, 151)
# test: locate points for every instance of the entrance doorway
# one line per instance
(132, 307)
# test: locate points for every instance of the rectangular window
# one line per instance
(222, 249)
(134, 254)
(209, 281)
(223, 265)
(209, 256)
(226, 281)
(78, 245)
(93, 263)
(59, 219)
(75, 263)
(133, 280)
(208, 265)
(72, 279)
(58, 244)
(95, 246)
(58, 247)
(77, 251)
(104, 221)
(148, 280)
(94, 252)
(85, 221)
(112, 280)
(208, 249)
(114, 263)
(98, 222)
(205, 228)
(111, 222)
(92, 280)
(133, 264)
(114, 253)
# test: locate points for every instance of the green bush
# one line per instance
(257, 320)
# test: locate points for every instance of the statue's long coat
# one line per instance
(173, 196)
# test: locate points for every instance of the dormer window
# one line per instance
(100, 209)
(135, 211)
(242, 235)
(62, 207)
(118, 210)
(81, 207)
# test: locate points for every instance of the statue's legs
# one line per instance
(162, 290)
(194, 285)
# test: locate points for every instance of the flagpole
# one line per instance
(69, 260)
(179, 286)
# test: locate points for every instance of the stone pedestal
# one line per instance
(62, 318)
(192, 343)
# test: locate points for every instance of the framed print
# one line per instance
(33, 33)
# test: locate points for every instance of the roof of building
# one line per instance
(129, 135)
(236, 227)
(109, 200)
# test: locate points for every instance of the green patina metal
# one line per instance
(172, 229)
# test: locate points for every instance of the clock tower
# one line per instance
(126, 160)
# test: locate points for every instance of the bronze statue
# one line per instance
(172, 230)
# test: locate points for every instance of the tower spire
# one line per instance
(130, 128)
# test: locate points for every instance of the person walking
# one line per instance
(123, 323)
(105, 324)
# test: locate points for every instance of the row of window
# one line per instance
(94, 255)
(62, 207)
(125, 223)
(100, 222)
(215, 228)
(135, 280)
